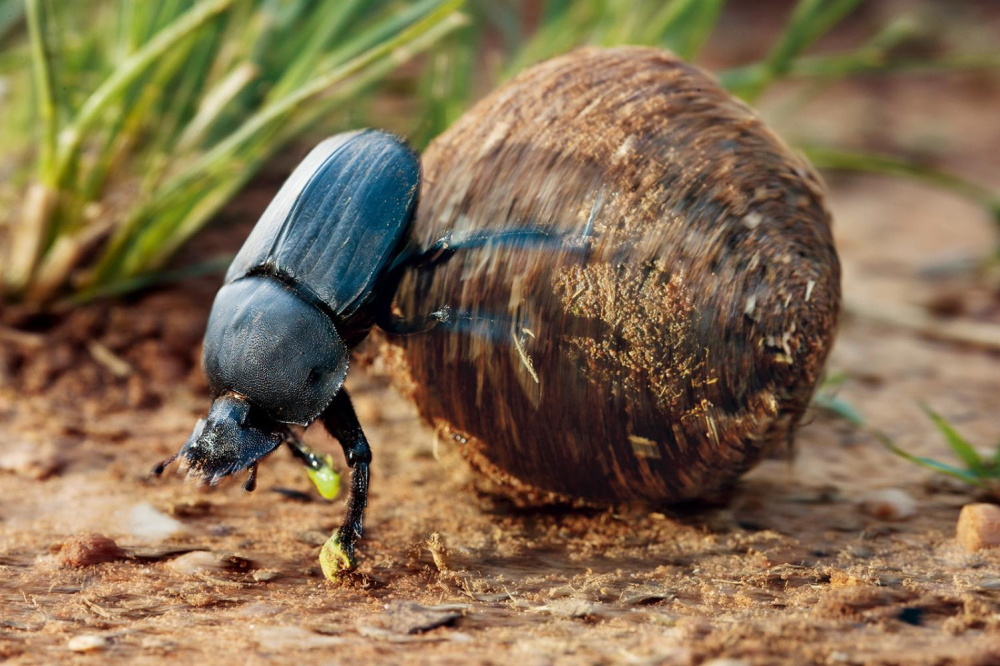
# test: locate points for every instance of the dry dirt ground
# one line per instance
(789, 570)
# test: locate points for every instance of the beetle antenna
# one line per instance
(159, 467)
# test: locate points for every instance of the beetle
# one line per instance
(318, 271)
(672, 336)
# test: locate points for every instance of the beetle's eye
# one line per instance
(313, 377)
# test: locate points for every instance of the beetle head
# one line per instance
(234, 437)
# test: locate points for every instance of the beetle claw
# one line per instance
(251, 484)
(335, 559)
(161, 466)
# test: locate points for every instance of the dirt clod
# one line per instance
(87, 643)
(202, 562)
(413, 618)
(84, 550)
(979, 526)
(33, 461)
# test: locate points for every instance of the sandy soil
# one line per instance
(789, 570)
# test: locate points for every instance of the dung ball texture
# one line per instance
(669, 326)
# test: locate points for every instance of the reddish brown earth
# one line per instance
(790, 570)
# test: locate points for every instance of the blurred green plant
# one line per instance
(154, 115)
(979, 471)
(150, 116)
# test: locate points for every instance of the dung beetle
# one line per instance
(317, 272)
(688, 343)
(637, 280)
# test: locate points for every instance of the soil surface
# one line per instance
(789, 569)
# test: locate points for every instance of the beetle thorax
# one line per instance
(267, 343)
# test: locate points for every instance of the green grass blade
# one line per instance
(125, 74)
(962, 448)
(839, 408)
(689, 29)
(929, 463)
(335, 18)
(277, 109)
(565, 26)
(41, 65)
(215, 266)
(826, 157)
(841, 65)
(810, 20)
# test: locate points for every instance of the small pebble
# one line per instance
(147, 522)
(201, 561)
(84, 550)
(979, 526)
(312, 537)
(264, 576)
(891, 504)
(33, 461)
(285, 638)
(571, 608)
(407, 617)
(87, 643)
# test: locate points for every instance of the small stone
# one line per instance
(979, 526)
(265, 576)
(312, 537)
(147, 522)
(88, 643)
(891, 504)
(570, 607)
(33, 461)
(407, 617)
(286, 638)
(84, 550)
(203, 562)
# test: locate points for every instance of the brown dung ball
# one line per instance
(674, 327)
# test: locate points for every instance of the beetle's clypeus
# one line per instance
(632, 281)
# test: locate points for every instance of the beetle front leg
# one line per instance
(340, 421)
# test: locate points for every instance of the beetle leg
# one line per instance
(251, 484)
(394, 325)
(159, 467)
(340, 421)
(491, 327)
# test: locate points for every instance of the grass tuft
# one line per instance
(151, 116)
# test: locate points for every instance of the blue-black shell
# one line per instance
(338, 219)
(275, 349)
(313, 261)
